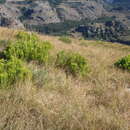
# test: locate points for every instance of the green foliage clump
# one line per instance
(11, 71)
(65, 39)
(124, 63)
(28, 47)
(72, 63)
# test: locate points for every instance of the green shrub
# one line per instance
(124, 63)
(28, 47)
(11, 71)
(72, 63)
(65, 39)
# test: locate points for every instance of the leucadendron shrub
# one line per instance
(28, 47)
(11, 71)
(124, 63)
(72, 63)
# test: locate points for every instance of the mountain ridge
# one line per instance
(50, 11)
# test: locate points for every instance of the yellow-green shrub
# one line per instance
(11, 71)
(73, 63)
(28, 47)
(124, 63)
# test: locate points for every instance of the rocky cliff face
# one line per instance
(8, 17)
(79, 9)
(17, 12)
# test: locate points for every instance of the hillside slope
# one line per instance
(54, 11)
(107, 20)
(53, 100)
(47, 11)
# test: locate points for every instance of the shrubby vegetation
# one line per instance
(62, 28)
(28, 47)
(124, 63)
(72, 63)
(109, 31)
(12, 71)
(104, 28)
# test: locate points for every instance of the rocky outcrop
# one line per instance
(37, 12)
(8, 18)
(40, 13)
(78, 10)
(110, 31)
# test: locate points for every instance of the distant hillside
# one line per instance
(38, 15)
(121, 1)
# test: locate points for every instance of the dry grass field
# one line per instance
(56, 101)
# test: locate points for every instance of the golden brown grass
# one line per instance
(54, 101)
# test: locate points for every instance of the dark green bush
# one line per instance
(124, 63)
(72, 63)
(12, 71)
(65, 39)
(29, 47)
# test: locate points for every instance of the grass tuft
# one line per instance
(65, 39)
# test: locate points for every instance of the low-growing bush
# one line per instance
(72, 63)
(124, 63)
(28, 47)
(12, 71)
(65, 39)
